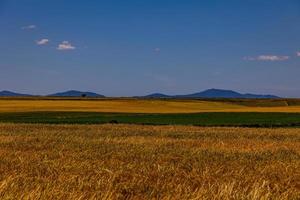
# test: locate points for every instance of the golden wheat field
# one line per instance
(134, 106)
(148, 162)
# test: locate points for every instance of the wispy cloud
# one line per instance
(157, 50)
(267, 58)
(32, 26)
(298, 53)
(42, 41)
(65, 45)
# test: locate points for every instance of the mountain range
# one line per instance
(6, 93)
(75, 93)
(70, 93)
(214, 93)
(210, 93)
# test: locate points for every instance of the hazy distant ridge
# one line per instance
(6, 93)
(75, 93)
(211, 93)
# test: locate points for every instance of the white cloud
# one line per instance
(32, 26)
(272, 58)
(42, 41)
(267, 58)
(157, 50)
(249, 58)
(65, 45)
(298, 53)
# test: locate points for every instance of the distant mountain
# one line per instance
(75, 93)
(157, 95)
(6, 93)
(214, 93)
(255, 96)
(211, 93)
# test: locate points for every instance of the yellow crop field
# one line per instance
(148, 162)
(134, 106)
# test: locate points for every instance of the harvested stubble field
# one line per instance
(145, 106)
(148, 162)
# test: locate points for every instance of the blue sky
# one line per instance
(123, 48)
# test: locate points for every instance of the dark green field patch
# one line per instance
(199, 119)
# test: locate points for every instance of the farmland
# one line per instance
(150, 100)
(149, 149)
(245, 119)
(146, 105)
(148, 162)
(230, 112)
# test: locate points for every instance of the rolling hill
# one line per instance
(6, 93)
(210, 93)
(157, 95)
(214, 93)
(75, 93)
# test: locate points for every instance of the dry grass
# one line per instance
(133, 106)
(148, 162)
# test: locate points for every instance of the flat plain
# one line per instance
(107, 149)
(148, 162)
(145, 105)
(200, 112)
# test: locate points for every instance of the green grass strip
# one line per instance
(244, 119)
